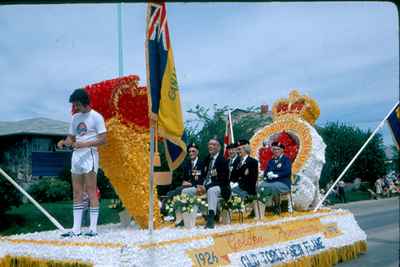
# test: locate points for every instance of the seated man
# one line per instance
(245, 173)
(277, 175)
(234, 159)
(216, 182)
(191, 171)
(191, 174)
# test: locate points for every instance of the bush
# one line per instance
(9, 196)
(50, 190)
(106, 189)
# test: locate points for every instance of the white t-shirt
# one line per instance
(86, 126)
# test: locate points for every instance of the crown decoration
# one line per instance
(297, 105)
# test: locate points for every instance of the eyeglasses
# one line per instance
(192, 151)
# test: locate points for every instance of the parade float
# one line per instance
(299, 238)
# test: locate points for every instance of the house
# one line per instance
(28, 148)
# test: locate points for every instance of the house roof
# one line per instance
(35, 126)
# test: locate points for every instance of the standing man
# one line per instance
(87, 132)
(216, 180)
(277, 175)
(246, 172)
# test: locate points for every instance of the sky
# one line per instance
(344, 55)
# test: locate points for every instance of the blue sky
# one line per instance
(345, 55)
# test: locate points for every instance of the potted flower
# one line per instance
(263, 196)
(124, 216)
(235, 203)
(186, 207)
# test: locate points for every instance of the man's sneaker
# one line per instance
(70, 234)
(91, 233)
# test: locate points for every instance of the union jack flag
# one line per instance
(158, 26)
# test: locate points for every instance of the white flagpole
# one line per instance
(51, 218)
(355, 157)
(231, 126)
(151, 193)
(153, 124)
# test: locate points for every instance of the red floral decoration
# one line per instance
(122, 98)
(291, 150)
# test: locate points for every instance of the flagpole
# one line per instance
(356, 156)
(231, 126)
(153, 123)
(120, 47)
(51, 218)
(151, 193)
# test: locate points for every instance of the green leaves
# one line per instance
(343, 142)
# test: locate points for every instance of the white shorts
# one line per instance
(84, 161)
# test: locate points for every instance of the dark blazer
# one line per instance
(187, 172)
(282, 167)
(233, 165)
(222, 175)
(246, 175)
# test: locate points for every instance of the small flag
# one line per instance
(228, 137)
(394, 125)
(163, 85)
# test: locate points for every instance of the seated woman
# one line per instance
(277, 175)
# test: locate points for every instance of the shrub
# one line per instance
(106, 189)
(50, 190)
(9, 196)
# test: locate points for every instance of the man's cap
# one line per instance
(192, 145)
(234, 145)
(278, 144)
(242, 142)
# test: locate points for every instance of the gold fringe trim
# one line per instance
(330, 257)
(23, 261)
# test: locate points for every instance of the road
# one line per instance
(380, 220)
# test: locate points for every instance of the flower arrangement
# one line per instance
(235, 203)
(263, 195)
(117, 205)
(185, 204)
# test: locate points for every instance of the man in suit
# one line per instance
(216, 180)
(277, 175)
(191, 178)
(234, 159)
(246, 172)
(192, 168)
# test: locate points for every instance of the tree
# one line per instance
(209, 123)
(343, 142)
(395, 162)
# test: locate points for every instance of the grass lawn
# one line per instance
(27, 218)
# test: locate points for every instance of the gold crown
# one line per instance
(296, 105)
